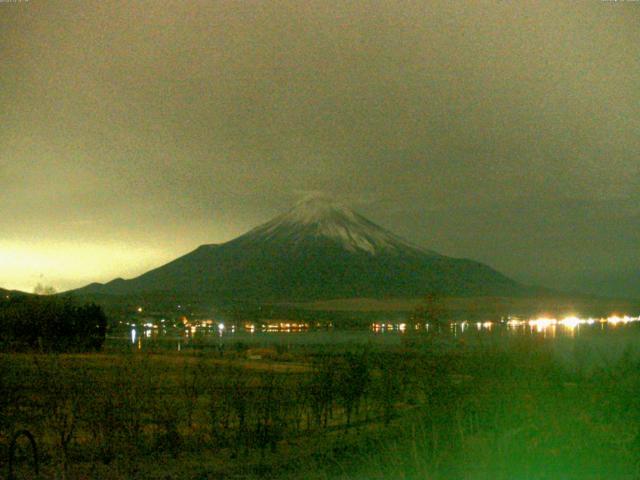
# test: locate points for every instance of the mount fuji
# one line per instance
(319, 249)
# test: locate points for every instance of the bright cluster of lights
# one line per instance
(570, 322)
(539, 324)
(286, 327)
(483, 325)
(388, 327)
(615, 320)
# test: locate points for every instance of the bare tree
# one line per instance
(41, 289)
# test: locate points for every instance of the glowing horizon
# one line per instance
(69, 265)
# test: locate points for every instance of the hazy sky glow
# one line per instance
(132, 132)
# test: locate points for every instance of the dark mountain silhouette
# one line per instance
(317, 250)
(7, 294)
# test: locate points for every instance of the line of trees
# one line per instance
(50, 324)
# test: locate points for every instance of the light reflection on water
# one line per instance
(546, 326)
(586, 342)
(377, 332)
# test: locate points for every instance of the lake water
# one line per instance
(604, 338)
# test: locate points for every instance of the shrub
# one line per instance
(50, 324)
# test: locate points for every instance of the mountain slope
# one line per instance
(6, 294)
(317, 250)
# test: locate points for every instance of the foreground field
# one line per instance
(426, 409)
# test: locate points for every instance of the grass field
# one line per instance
(411, 411)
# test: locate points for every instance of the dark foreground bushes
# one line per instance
(108, 413)
(50, 324)
(511, 412)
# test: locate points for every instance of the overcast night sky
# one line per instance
(507, 132)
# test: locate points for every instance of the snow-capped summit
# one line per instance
(323, 217)
(316, 209)
(319, 249)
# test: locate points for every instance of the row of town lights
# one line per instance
(540, 323)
